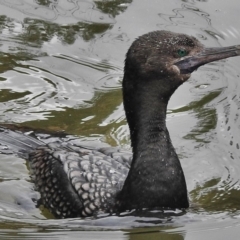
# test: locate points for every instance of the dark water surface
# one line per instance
(61, 68)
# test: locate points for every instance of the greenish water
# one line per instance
(61, 66)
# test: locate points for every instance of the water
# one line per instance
(61, 68)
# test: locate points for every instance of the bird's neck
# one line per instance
(145, 109)
(155, 178)
(149, 133)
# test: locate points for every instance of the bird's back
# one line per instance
(73, 181)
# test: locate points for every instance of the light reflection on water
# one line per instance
(45, 87)
(61, 69)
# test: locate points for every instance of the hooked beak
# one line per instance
(192, 63)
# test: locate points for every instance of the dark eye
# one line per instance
(182, 52)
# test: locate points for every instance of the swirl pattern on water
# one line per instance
(58, 11)
(45, 88)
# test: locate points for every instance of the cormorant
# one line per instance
(78, 182)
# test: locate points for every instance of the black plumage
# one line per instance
(77, 182)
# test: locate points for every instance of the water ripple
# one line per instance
(45, 87)
(59, 11)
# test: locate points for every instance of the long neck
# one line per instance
(155, 178)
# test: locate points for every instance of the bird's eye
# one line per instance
(182, 52)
